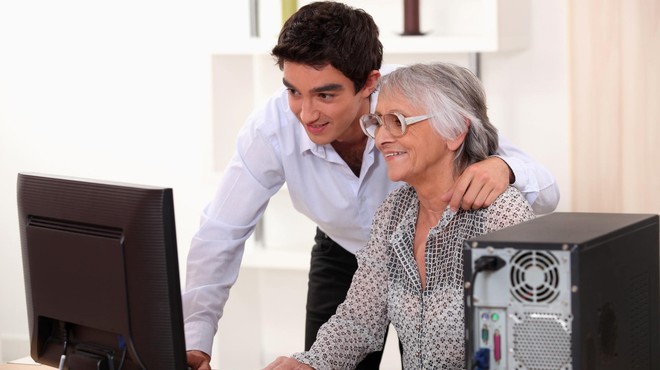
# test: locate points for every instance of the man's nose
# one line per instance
(308, 111)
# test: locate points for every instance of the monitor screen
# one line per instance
(101, 274)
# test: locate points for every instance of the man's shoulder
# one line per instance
(273, 115)
(275, 106)
(386, 69)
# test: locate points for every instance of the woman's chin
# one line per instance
(395, 176)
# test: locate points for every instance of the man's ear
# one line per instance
(453, 145)
(372, 83)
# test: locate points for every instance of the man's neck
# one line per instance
(351, 147)
(352, 153)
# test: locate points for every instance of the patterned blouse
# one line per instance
(387, 288)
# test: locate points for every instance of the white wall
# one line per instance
(112, 90)
(121, 90)
(528, 93)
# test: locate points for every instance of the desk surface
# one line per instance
(25, 363)
(24, 367)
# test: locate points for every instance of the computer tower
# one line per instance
(565, 291)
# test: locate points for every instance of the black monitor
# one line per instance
(101, 274)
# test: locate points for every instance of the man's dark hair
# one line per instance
(333, 33)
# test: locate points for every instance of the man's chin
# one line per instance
(320, 139)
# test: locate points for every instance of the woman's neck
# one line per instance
(430, 194)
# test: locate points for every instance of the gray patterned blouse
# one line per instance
(386, 286)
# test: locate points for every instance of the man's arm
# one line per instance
(249, 181)
(198, 360)
(482, 182)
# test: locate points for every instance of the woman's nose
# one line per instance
(382, 136)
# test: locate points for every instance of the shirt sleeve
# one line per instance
(253, 175)
(359, 326)
(534, 181)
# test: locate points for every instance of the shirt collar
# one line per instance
(306, 144)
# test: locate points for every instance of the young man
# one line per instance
(308, 135)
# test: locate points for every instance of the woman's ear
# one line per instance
(453, 145)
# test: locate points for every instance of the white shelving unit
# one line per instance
(465, 26)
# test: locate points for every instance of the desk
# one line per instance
(25, 367)
(25, 363)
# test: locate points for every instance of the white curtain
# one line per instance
(615, 105)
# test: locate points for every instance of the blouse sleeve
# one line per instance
(509, 209)
(359, 326)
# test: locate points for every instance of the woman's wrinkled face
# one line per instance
(421, 153)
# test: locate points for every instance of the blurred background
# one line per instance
(154, 92)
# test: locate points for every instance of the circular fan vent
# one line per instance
(534, 277)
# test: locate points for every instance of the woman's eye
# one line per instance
(392, 120)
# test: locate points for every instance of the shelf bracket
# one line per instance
(475, 63)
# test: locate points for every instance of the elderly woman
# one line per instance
(430, 124)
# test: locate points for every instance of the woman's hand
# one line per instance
(198, 360)
(287, 363)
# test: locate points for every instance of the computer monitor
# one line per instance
(101, 274)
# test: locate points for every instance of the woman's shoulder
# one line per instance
(397, 201)
(510, 196)
(404, 194)
(510, 208)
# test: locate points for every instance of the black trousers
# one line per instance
(330, 275)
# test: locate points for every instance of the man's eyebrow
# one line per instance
(328, 87)
(287, 84)
(319, 89)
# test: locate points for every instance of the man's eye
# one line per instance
(292, 92)
(326, 96)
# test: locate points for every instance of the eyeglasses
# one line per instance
(395, 123)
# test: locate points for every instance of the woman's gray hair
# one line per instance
(452, 95)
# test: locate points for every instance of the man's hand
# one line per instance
(479, 184)
(198, 360)
(287, 363)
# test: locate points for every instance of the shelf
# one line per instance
(460, 27)
(391, 45)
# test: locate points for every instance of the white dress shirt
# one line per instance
(273, 148)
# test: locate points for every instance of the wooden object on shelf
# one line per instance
(411, 18)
